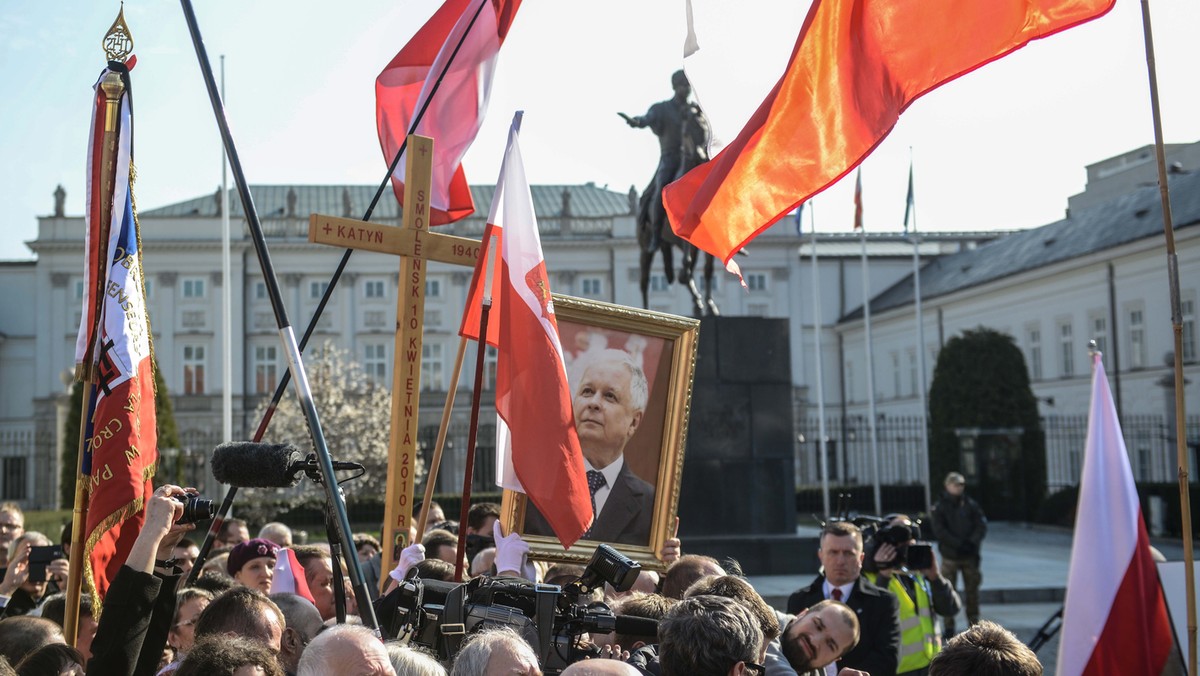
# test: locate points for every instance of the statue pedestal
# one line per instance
(738, 498)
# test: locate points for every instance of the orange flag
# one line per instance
(856, 66)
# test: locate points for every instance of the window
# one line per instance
(592, 286)
(148, 285)
(193, 319)
(193, 288)
(193, 369)
(431, 368)
(1066, 350)
(317, 289)
(1100, 333)
(260, 290)
(1188, 310)
(373, 288)
(912, 373)
(1033, 339)
(374, 319)
(433, 288)
(896, 374)
(756, 281)
(1137, 339)
(658, 282)
(489, 368)
(433, 319)
(266, 373)
(79, 289)
(375, 361)
(15, 469)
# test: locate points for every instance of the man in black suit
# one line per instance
(841, 555)
(609, 402)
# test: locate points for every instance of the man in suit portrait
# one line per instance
(878, 610)
(609, 401)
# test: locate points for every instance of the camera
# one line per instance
(915, 556)
(195, 508)
(39, 557)
(440, 615)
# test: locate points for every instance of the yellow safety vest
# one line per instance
(919, 638)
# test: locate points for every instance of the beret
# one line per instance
(248, 550)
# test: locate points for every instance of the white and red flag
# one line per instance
(467, 34)
(538, 448)
(1115, 619)
(113, 351)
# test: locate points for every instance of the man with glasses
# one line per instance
(12, 526)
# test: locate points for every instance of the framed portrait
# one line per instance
(630, 373)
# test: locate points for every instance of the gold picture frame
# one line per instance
(664, 345)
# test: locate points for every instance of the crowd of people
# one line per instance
(269, 605)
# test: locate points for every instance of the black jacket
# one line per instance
(878, 610)
(133, 628)
(960, 526)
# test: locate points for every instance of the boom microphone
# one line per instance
(247, 464)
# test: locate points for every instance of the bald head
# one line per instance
(345, 649)
(600, 668)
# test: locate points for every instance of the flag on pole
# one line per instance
(909, 206)
(856, 66)
(1115, 618)
(289, 575)
(538, 448)
(488, 247)
(858, 223)
(455, 114)
(113, 350)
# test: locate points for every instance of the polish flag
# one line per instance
(289, 575)
(535, 434)
(456, 111)
(1115, 619)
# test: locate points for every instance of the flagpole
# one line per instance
(821, 441)
(866, 291)
(469, 470)
(1185, 509)
(434, 464)
(226, 296)
(911, 208)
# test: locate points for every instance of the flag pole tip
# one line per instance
(118, 41)
(1093, 348)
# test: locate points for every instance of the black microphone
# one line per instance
(247, 464)
(636, 626)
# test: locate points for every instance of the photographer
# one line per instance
(898, 563)
(36, 570)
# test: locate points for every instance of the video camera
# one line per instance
(439, 615)
(915, 556)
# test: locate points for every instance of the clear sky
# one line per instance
(1000, 148)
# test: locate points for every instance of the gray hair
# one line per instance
(277, 532)
(473, 659)
(299, 614)
(410, 661)
(707, 635)
(317, 657)
(639, 387)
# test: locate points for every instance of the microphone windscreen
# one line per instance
(636, 626)
(247, 464)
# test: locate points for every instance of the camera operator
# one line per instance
(922, 591)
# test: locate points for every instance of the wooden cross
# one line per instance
(415, 244)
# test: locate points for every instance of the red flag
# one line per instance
(456, 111)
(121, 450)
(856, 66)
(858, 226)
(469, 328)
(533, 398)
(1115, 619)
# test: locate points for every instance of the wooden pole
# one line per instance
(436, 462)
(469, 471)
(1177, 328)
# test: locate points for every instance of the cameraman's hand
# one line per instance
(932, 572)
(512, 555)
(18, 570)
(58, 570)
(162, 510)
(885, 556)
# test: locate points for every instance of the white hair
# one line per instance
(473, 659)
(319, 655)
(413, 662)
(639, 388)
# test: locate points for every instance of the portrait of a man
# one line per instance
(609, 398)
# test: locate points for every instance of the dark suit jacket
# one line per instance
(878, 610)
(625, 519)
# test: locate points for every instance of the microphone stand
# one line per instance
(335, 543)
(218, 521)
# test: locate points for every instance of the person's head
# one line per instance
(435, 569)
(213, 582)
(841, 552)
(35, 588)
(189, 603)
(24, 634)
(685, 571)
(276, 532)
(650, 606)
(54, 608)
(233, 532)
(482, 563)
(59, 659)
(986, 649)
(496, 652)
(819, 635)
(440, 544)
(436, 513)
(680, 84)
(647, 582)
(301, 624)
(609, 402)
(481, 517)
(736, 588)
(411, 661)
(318, 573)
(252, 564)
(12, 526)
(955, 484)
(708, 636)
(367, 547)
(600, 668)
(185, 553)
(345, 649)
(242, 612)
(229, 656)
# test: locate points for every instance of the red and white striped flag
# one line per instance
(535, 434)
(289, 575)
(1115, 620)
(113, 351)
(456, 112)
